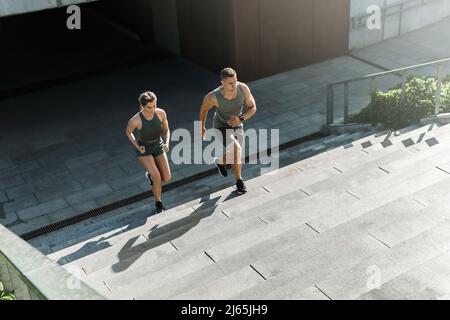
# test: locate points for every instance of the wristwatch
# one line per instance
(241, 118)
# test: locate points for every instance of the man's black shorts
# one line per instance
(238, 134)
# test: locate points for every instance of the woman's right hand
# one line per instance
(203, 133)
(142, 149)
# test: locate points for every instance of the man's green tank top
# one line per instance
(228, 108)
(151, 129)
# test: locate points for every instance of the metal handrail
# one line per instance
(330, 87)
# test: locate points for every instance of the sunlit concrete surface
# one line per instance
(14, 7)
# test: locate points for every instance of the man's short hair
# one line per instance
(227, 73)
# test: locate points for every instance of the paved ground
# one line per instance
(421, 46)
(76, 157)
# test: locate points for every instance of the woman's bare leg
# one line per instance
(163, 167)
(149, 164)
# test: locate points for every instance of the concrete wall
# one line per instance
(262, 37)
(432, 11)
(330, 28)
(275, 36)
(13, 7)
(257, 37)
(134, 14)
(207, 32)
(153, 20)
(165, 25)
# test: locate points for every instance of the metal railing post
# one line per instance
(345, 102)
(400, 18)
(383, 21)
(438, 90)
(330, 104)
(373, 85)
(404, 81)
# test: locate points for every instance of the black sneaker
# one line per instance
(159, 207)
(222, 169)
(240, 186)
(149, 177)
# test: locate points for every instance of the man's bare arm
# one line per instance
(250, 103)
(207, 104)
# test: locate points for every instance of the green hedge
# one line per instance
(386, 108)
(7, 296)
(4, 295)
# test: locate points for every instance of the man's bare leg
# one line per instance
(237, 164)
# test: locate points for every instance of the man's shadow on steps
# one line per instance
(102, 243)
(159, 235)
(139, 220)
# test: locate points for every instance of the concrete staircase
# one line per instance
(353, 216)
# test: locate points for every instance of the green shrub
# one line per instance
(4, 295)
(7, 296)
(387, 109)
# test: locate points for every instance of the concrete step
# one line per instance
(287, 282)
(435, 195)
(363, 182)
(230, 214)
(344, 158)
(233, 247)
(353, 245)
(287, 263)
(398, 260)
(392, 191)
(231, 263)
(389, 168)
(335, 158)
(429, 281)
(294, 233)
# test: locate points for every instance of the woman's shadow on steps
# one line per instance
(159, 235)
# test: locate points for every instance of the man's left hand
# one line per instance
(234, 122)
